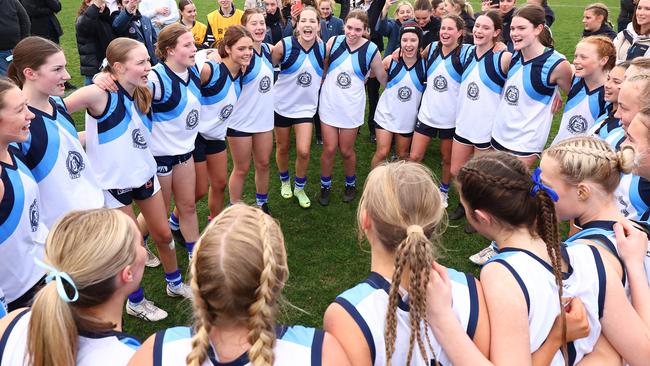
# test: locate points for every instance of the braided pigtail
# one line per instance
(405, 205)
(202, 325)
(262, 311)
(548, 230)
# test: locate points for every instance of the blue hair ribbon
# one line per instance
(59, 277)
(537, 185)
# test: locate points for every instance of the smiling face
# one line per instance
(15, 117)
(484, 32)
(523, 33)
(354, 29)
(439, 10)
(628, 103)
(422, 17)
(308, 25)
(404, 13)
(643, 13)
(450, 8)
(184, 51)
(591, 21)
(189, 13)
(256, 25)
(586, 59)
(325, 9)
(638, 135)
(241, 52)
(506, 5)
(449, 33)
(409, 44)
(50, 77)
(613, 84)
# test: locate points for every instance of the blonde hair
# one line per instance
(587, 158)
(642, 86)
(408, 216)
(403, 3)
(92, 247)
(238, 272)
(118, 51)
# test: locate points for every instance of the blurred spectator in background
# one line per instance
(161, 12)
(14, 26)
(130, 23)
(94, 33)
(625, 16)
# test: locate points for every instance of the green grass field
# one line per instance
(325, 256)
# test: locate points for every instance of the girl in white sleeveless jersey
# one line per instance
(250, 125)
(238, 272)
(381, 320)
(595, 56)
(350, 59)
(586, 191)
(480, 91)
(437, 115)
(532, 278)
(118, 127)
(536, 71)
(398, 105)
(22, 233)
(93, 260)
(53, 151)
(296, 99)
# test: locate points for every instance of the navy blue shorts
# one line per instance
(165, 164)
(432, 132)
(204, 147)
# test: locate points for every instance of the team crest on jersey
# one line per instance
(192, 120)
(225, 112)
(265, 84)
(304, 79)
(404, 94)
(343, 80)
(472, 91)
(440, 84)
(138, 139)
(75, 164)
(512, 95)
(577, 124)
(34, 216)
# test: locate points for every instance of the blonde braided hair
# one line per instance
(238, 272)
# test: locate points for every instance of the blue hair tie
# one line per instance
(59, 277)
(537, 185)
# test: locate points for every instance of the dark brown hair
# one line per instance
(183, 3)
(423, 5)
(635, 24)
(497, 22)
(358, 14)
(501, 185)
(460, 25)
(233, 34)
(31, 52)
(537, 16)
(250, 12)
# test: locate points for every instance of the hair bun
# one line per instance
(626, 159)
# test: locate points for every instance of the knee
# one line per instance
(241, 169)
(416, 156)
(347, 153)
(329, 151)
(262, 165)
(186, 208)
(282, 149)
(302, 154)
(162, 236)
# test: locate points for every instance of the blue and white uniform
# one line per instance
(343, 95)
(118, 141)
(301, 72)
(367, 304)
(583, 108)
(633, 196)
(175, 110)
(586, 279)
(59, 164)
(444, 74)
(524, 115)
(253, 112)
(294, 346)
(602, 233)
(610, 129)
(220, 94)
(480, 90)
(397, 108)
(22, 233)
(3, 304)
(93, 349)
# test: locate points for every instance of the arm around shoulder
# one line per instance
(89, 97)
